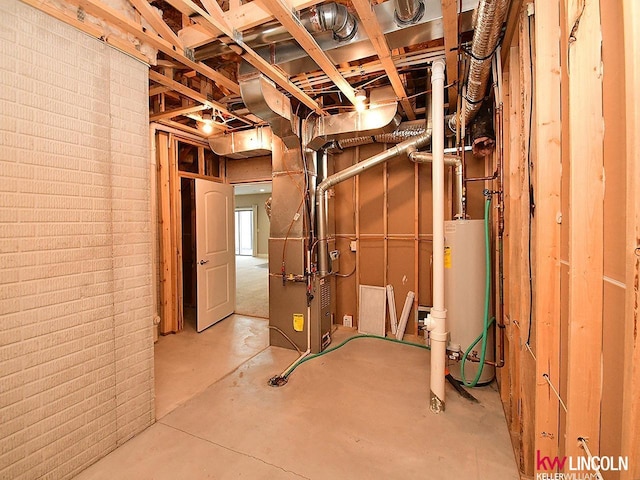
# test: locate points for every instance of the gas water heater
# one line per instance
(465, 283)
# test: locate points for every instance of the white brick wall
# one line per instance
(76, 345)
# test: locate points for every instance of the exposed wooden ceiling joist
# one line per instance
(89, 29)
(192, 94)
(152, 16)
(157, 90)
(256, 13)
(450, 26)
(176, 112)
(113, 16)
(289, 21)
(180, 126)
(200, 16)
(370, 23)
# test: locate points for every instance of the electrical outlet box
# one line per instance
(347, 321)
(353, 245)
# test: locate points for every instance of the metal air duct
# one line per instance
(263, 99)
(352, 171)
(382, 117)
(329, 17)
(244, 144)
(405, 131)
(490, 16)
(345, 44)
(408, 11)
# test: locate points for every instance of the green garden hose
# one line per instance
(486, 321)
(329, 350)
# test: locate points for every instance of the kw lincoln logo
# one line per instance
(578, 468)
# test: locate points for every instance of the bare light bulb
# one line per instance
(207, 128)
(361, 97)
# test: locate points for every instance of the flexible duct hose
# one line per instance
(487, 294)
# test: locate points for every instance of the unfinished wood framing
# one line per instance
(376, 36)
(631, 400)
(169, 320)
(208, 21)
(527, 380)
(586, 250)
(548, 172)
(291, 22)
(450, 25)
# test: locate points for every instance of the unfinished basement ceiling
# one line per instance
(321, 55)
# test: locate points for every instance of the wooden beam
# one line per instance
(512, 21)
(200, 16)
(631, 398)
(514, 269)
(256, 13)
(151, 15)
(195, 36)
(157, 90)
(527, 380)
(167, 295)
(180, 126)
(192, 94)
(176, 232)
(548, 170)
(115, 17)
(450, 27)
(90, 29)
(176, 112)
(586, 131)
(371, 25)
(301, 35)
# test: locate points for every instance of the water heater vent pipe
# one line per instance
(436, 323)
(450, 161)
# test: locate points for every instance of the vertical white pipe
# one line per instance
(437, 323)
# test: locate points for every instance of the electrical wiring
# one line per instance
(531, 200)
(273, 327)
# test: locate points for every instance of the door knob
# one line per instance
(202, 262)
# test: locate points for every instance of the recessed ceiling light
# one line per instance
(262, 189)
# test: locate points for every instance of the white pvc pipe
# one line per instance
(437, 322)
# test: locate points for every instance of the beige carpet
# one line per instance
(252, 286)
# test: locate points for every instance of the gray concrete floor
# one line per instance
(188, 362)
(360, 412)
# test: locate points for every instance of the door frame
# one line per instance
(254, 226)
(170, 223)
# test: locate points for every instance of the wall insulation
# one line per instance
(76, 345)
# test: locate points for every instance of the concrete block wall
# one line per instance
(76, 346)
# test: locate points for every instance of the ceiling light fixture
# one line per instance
(207, 121)
(361, 97)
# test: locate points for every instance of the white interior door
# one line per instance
(216, 262)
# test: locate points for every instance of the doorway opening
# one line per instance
(246, 230)
(252, 248)
(196, 269)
